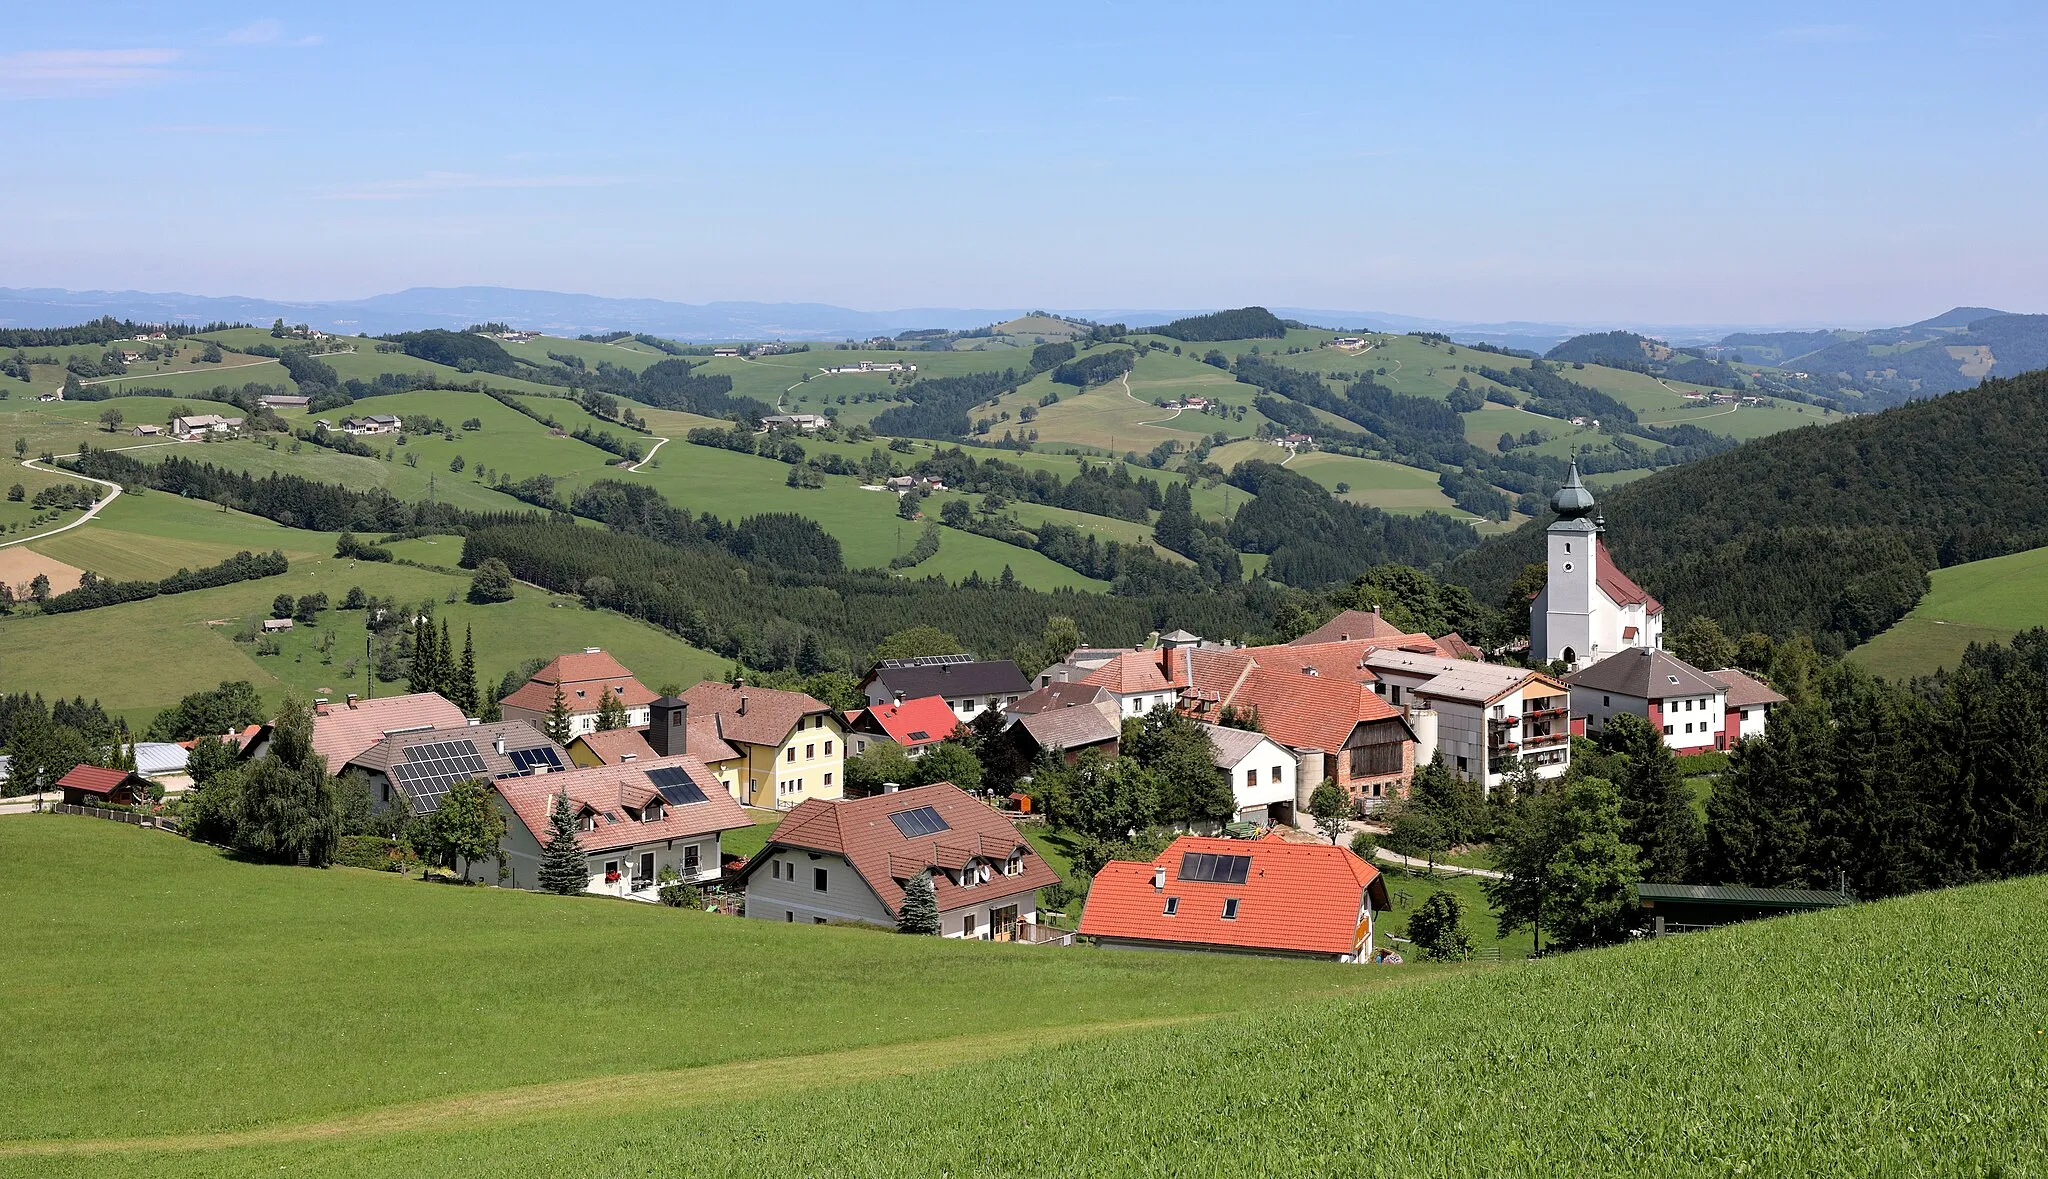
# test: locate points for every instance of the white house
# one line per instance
(373, 424)
(1261, 773)
(633, 821)
(1749, 703)
(1588, 609)
(1687, 704)
(1486, 719)
(583, 680)
(205, 423)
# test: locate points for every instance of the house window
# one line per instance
(1464, 764)
(860, 746)
(387, 785)
(1606, 702)
(1667, 733)
(789, 916)
(1172, 906)
(810, 751)
(792, 754)
(1230, 909)
(1251, 779)
(611, 871)
(967, 925)
(828, 749)
(646, 867)
(1275, 778)
(818, 880)
(828, 779)
(691, 857)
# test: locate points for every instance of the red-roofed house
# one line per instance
(96, 786)
(343, 732)
(1260, 896)
(1588, 608)
(632, 821)
(1361, 624)
(916, 725)
(584, 678)
(848, 860)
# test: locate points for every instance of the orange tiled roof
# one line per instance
(583, 677)
(1297, 897)
(756, 716)
(611, 790)
(912, 724)
(615, 746)
(1617, 586)
(1358, 624)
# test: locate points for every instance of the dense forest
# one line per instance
(1245, 323)
(1828, 530)
(1096, 368)
(1316, 539)
(938, 405)
(104, 330)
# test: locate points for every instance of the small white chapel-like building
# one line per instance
(1589, 609)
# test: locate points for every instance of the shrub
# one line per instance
(374, 852)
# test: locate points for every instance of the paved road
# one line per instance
(113, 493)
(1453, 869)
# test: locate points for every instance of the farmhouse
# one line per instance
(632, 822)
(95, 786)
(968, 685)
(849, 860)
(1261, 773)
(373, 424)
(795, 421)
(417, 767)
(1683, 908)
(583, 680)
(1259, 896)
(725, 352)
(146, 430)
(916, 725)
(1588, 608)
(286, 401)
(790, 746)
(199, 425)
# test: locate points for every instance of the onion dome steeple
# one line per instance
(1573, 501)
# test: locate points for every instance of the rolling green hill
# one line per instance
(399, 1028)
(1979, 602)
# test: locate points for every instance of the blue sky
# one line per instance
(1865, 163)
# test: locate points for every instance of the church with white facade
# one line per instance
(1589, 609)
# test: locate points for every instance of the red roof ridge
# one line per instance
(1618, 586)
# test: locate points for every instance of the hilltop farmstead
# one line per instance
(914, 801)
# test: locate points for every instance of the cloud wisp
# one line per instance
(436, 183)
(55, 73)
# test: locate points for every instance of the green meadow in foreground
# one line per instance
(346, 1023)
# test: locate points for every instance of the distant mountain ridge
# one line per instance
(563, 313)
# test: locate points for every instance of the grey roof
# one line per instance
(1645, 673)
(996, 677)
(1229, 746)
(1058, 694)
(1074, 728)
(1465, 680)
(518, 734)
(160, 757)
(1745, 691)
(1573, 501)
(1754, 898)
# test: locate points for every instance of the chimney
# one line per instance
(1375, 611)
(1152, 640)
(1159, 878)
(351, 699)
(739, 682)
(668, 726)
(899, 699)
(499, 745)
(891, 787)
(742, 709)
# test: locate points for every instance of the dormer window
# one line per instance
(653, 812)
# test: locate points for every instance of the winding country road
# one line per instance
(659, 442)
(113, 493)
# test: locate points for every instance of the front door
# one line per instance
(1002, 923)
(646, 870)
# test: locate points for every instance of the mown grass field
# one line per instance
(346, 1022)
(1980, 602)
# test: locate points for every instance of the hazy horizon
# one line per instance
(1816, 165)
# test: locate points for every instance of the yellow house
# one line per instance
(788, 747)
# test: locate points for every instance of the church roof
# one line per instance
(1573, 501)
(1617, 586)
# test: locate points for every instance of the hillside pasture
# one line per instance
(1979, 602)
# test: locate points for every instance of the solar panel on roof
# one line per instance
(919, 821)
(675, 785)
(432, 767)
(528, 760)
(1214, 869)
(920, 735)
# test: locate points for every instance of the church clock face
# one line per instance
(1567, 566)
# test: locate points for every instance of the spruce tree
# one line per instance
(611, 712)
(1656, 809)
(562, 868)
(444, 663)
(557, 724)
(920, 910)
(423, 677)
(462, 689)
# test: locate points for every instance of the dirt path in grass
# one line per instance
(1126, 379)
(671, 1089)
(113, 493)
(658, 444)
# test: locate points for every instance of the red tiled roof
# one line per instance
(705, 743)
(583, 677)
(769, 714)
(342, 731)
(912, 724)
(860, 830)
(1296, 708)
(1137, 671)
(1617, 586)
(612, 789)
(1300, 897)
(1454, 646)
(614, 746)
(93, 779)
(1358, 624)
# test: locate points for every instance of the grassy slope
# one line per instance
(1981, 602)
(151, 535)
(1813, 1044)
(279, 994)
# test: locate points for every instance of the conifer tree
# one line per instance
(920, 910)
(611, 713)
(424, 678)
(444, 663)
(462, 689)
(557, 724)
(562, 868)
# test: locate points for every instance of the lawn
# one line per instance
(258, 995)
(1979, 602)
(1409, 887)
(1895, 1038)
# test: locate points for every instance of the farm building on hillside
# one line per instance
(96, 786)
(1682, 908)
